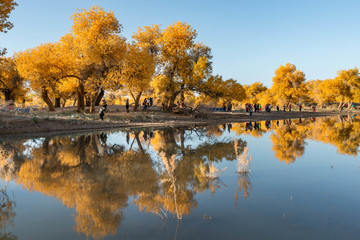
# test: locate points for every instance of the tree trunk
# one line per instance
(81, 95)
(74, 103)
(349, 104)
(47, 100)
(92, 104)
(57, 103)
(172, 101)
(87, 101)
(99, 97)
(340, 105)
(81, 149)
(136, 100)
(139, 142)
(182, 95)
(64, 102)
(8, 95)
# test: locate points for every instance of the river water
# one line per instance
(299, 179)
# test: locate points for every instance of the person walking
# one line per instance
(144, 105)
(300, 106)
(284, 108)
(229, 107)
(102, 113)
(289, 107)
(278, 108)
(104, 105)
(127, 105)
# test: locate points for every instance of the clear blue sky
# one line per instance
(249, 39)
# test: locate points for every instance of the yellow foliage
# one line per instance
(6, 8)
(253, 92)
(288, 84)
(10, 80)
(147, 38)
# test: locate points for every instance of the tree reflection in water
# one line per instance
(97, 178)
(289, 138)
(244, 184)
(7, 201)
(159, 169)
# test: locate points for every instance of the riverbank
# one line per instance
(66, 121)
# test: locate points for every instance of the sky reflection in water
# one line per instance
(153, 184)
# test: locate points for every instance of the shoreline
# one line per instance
(29, 126)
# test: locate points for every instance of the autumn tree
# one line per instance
(253, 91)
(136, 72)
(315, 91)
(182, 64)
(42, 67)
(147, 38)
(288, 84)
(227, 90)
(96, 48)
(11, 84)
(6, 7)
(348, 82)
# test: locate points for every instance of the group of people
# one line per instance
(148, 102)
(253, 108)
(289, 107)
(179, 105)
(228, 107)
(257, 107)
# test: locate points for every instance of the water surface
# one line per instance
(153, 183)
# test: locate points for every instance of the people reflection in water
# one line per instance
(249, 126)
(128, 137)
(277, 122)
(300, 121)
(268, 124)
(147, 134)
(229, 126)
(103, 138)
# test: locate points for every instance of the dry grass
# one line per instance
(243, 161)
(210, 172)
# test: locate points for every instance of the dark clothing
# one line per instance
(102, 113)
(104, 105)
(127, 105)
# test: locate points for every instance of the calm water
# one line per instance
(153, 183)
